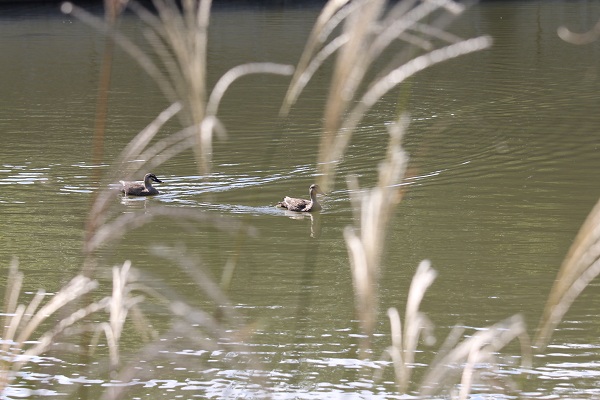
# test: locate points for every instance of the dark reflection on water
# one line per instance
(503, 158)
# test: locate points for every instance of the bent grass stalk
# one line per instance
(580, 266)
(478, 350)
(365, 246)
(582, 262)
(366, 34)
(470, 356)
(214, 332)
(368, 30)
(178, 39)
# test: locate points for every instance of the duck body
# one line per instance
(140, 189)
(303, 205)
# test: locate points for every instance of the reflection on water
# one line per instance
(504, 155)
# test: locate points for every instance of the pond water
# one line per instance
(504, 148)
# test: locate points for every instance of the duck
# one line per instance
(140, 189)
(302, 205)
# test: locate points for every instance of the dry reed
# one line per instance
(25, 334)
(477, 352)
(365, 29)
(368, 30)
(177, 36)
(178, 40)
(579, 38)
(582, 262)
(404, 342)
(365, 243)
(580, 266)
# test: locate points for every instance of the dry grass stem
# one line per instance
(125, 168)
(236, 73)
(24, 338)
(211, 121)
(374, 209)
(19, 342)
(326, 22)
(579, 38)
(415, 322)
(404, 344)
(121, 302)
(137, 145)
(470, 356)
(579, 268)
(474, 353)
(582, 263)
(178, 37)
(196, 272)
(370, 27)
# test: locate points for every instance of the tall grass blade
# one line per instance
(579, 38)
(479, 349)
(374, 209)
(325, 23)
(580, 266)
(415, 321)
(23, 335)
(369, 28)
(416, 326)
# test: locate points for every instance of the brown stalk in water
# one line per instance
(582, 263)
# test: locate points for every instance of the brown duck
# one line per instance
(140, 189)
(302, 205)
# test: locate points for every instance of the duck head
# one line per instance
(151, 177)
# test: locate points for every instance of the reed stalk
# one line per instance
(579, 38)
(177, 37)
(476, 352)
(374, 210)
(580, 266)
(417, 324)
(365, 30)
